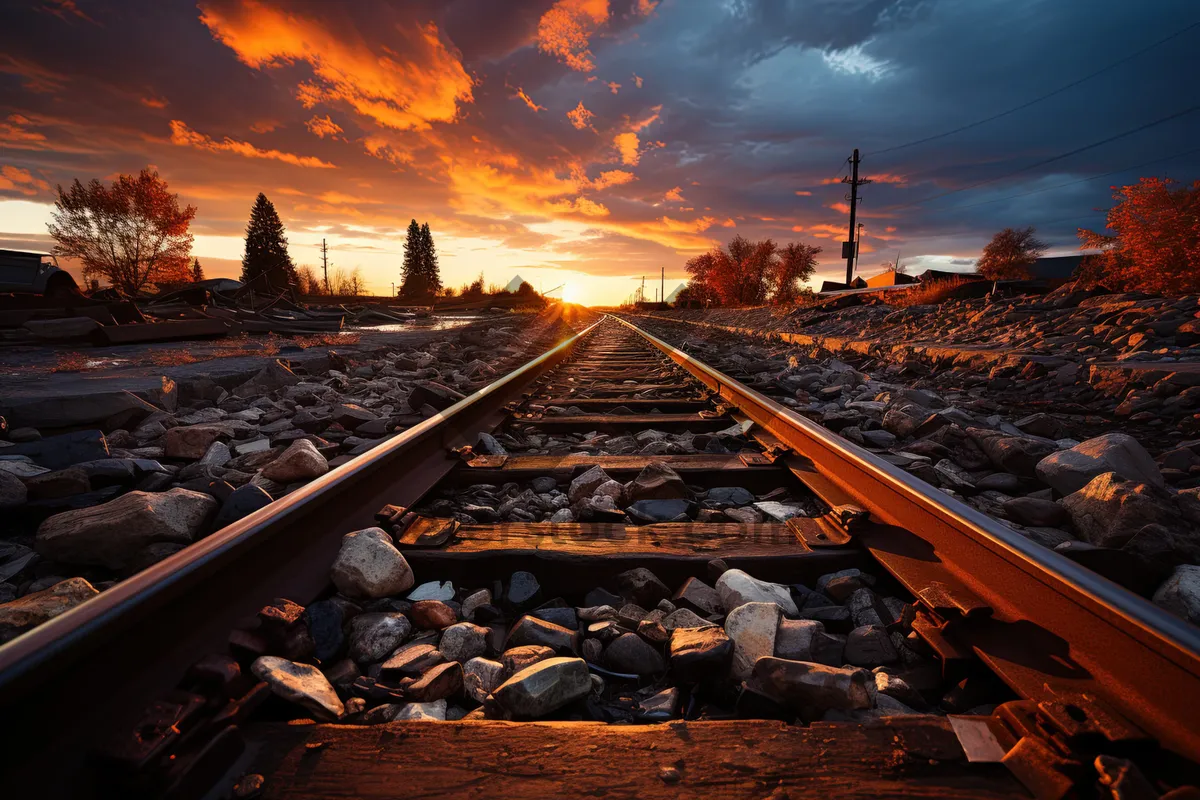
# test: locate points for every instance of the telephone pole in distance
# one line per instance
(848, 248)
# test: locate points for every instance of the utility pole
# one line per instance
(848, 249)
(325, 265)
(662, 285)
(642, 291)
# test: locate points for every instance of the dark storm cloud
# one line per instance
(358, 116)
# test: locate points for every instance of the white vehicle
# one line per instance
(34, 273)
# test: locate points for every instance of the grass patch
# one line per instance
(931, 293)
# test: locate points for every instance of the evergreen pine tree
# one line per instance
(412, 277)
(429, 261)
(197, 271)
(266, 262)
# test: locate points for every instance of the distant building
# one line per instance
(514, 284)
(673, 296)
(836, 286)
(943, 274)
(890, 277)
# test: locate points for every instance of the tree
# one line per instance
(474, 289)
(133, 233)
(197, 271)
(796, 263)
(413, 282)
(307, 282)
(737, 275)
(1155, 246)
(266, 263)
(1010, 254)
(429, 261)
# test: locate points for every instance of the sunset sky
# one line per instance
(590, 142)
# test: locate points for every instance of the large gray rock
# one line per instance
(481, 677)
(736, 588)
(25, 613)
(463, 641)
(376, 634)
(795, 638)
(1179, 594)
(656, 481)
(192, 441)
(300, 462)
(630, 653)
(270, 378)
(752, 627)
(301, 684)
(116, 534)
(64, 450)
(813, 688)
(1069, 471)
(67, 411)
(698, 654)
(533, 631)
(368, 565)
(587, 483)
(544, 687)
(12, 491)
(1109, 510)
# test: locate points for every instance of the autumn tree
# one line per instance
(1010, 254)
(1155, 244)
(133, 232)
(197, 271)
(266, 263)
(796, 263)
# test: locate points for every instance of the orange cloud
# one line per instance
(627, 147)
(415, 81)
(266, 126)
(613, 87)
(648, 121)
(825, 231)
(890, 229)
(645, 8)
(612, 177)
(184, 136)
(900, 180)
(34, 77)
(14, 179)
(579, 205)
(804, 194)
(581, 118)
(323, 126)
(15, 135)
(675, 195)
(729, 223)
(565, 31)
(841, 208)
(63, 8)
(529, 101)
(830, 181)
(153, 102)
(637, 81)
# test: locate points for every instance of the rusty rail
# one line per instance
(1047, 626)
(86, 674)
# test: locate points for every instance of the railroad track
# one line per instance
(1057, 679)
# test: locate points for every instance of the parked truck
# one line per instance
(34, 273)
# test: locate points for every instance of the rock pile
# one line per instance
(1104, 502)
(385, 648)
(107, 502)
(656, 494)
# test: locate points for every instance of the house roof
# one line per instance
(1055, 267)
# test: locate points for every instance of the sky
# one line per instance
(588, 143)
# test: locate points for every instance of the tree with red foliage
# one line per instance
(1155, 246)
(1010, 254)
(133, 233)
(796, 263)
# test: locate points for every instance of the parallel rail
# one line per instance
(1053, 631)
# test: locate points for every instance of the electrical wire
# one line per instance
(1080, 180)
(1052, 159)
(1037, 100)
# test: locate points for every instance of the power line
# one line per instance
(1052, 159)
(1080, 180)
(1037, 100)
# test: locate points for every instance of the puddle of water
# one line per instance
(429, 324)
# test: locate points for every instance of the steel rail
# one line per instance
(1055, 626)
(75, 681)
